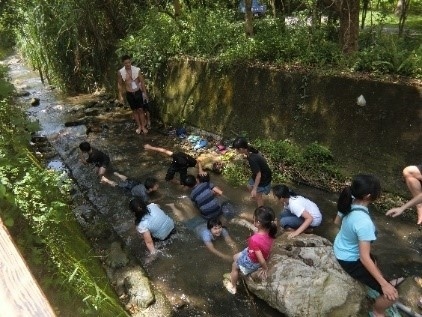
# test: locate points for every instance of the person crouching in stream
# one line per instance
(152, 223)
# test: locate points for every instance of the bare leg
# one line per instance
(121, 176)
(105, 180)
(137, 119)
(413, 178)
(259, 199)
(139, 116)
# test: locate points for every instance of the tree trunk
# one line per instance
(248, 18)
(349, 25)
(177, 8)
(403, 14)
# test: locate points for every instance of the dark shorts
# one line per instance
(356, 270)
(135, 99)
(183, 172)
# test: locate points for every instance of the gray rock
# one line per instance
(35, 102)
(136, 286)
(305, 279)
(116, 257)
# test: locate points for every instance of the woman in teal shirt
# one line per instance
(352, 244)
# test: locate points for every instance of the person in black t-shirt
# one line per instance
(180, 162)
(260, 181)
(96, 157)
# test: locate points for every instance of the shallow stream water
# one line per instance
(185, 270)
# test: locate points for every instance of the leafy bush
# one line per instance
(388, 54)
(317, 154)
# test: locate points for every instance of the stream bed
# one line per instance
(185, 271)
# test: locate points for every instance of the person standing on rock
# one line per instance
(352, 245)
(260, 182)
(131, 84)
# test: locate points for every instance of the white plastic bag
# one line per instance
(361, 101)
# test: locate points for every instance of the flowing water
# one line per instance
(186, 271)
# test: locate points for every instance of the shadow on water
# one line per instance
(185, 270)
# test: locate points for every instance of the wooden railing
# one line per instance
(20, 294)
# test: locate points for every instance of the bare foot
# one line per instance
(144, 131)
(138, 131)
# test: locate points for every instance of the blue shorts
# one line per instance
(261, 189)
(245, 264)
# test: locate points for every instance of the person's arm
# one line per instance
(256, 183)
(149, 242)
(364, 253)
(120, 87)
(200, 168)
(217, 191)
(231, 243)
(82, 157)
(394, 212)
(337, 220)
(143, 87)
(211, 247)
(264, 268)
(157, 149)
(303, 226)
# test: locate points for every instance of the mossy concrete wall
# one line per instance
(381, 137)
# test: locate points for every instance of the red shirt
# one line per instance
(259, 242)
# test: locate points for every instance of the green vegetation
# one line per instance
(36, 206)
(313, 165)
(76, 44)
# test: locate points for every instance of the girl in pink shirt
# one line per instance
(255, 256)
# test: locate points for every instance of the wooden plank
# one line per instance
(20, 294)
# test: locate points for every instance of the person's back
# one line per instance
(157, 222)
(298, 204)
(204, 198)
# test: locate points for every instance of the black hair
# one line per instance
(217, 167)
(150, 182)
(204, 178)
(265, 215)
(362, 185)
(85, 146)
(125, 57)
(241, 143)
(189, 181)
(139, 208)
(211, 223)
(282, 191)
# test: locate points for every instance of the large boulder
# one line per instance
(305, 279)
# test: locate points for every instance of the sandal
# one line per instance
(229, 287)
(397, 281)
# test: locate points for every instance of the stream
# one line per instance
(185, 271)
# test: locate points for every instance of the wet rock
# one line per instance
(22, 93)
(75, 123)
(305, 279)
(92, 111)
(410, 292)
(39, 138)
(116, 257)
(35, 102)
(136, 286)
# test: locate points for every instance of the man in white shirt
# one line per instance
(131, 84)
